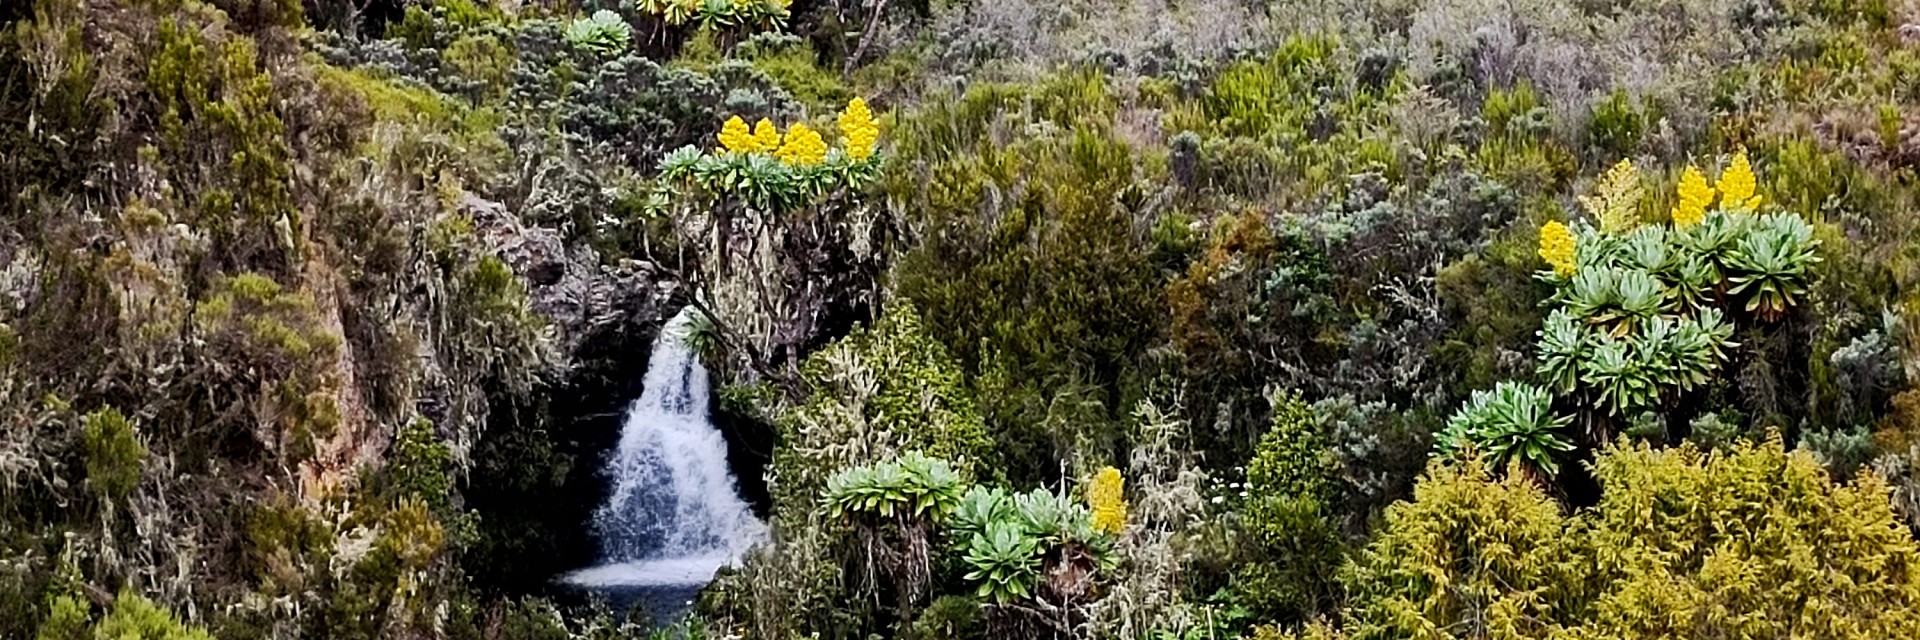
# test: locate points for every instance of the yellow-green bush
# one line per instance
(113, 453)
(1745, 542)
(130, 617)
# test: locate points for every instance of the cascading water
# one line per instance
(675, 515)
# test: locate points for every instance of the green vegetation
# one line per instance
(1682, 543)
(1088, 320)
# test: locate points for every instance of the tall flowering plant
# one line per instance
(1643, 313)
(770, 169)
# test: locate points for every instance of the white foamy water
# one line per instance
(675, 514)
(668, 572)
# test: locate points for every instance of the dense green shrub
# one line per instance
(1293, 546)
(1751, 541)
(132, 616)
(113, 453)
(421, 465)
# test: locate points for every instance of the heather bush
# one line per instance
(1658, 556)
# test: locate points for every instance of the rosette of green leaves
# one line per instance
(678, 164)
(868, 489)
(1646, 249)
(856, 174)
(603, 32)
(1713, 238)
(758, 179)
(1614, 297)
(1004, 560)
(1693, 350)
(1596, 250)
(979, 507)
(1663, 355)
(1046, 516)
(1593, 295)
(1056, 521)
(1769, 264)
(932, 487)
(1692, 284)
(1639, 295)
(1562, 342)
(1513, 421)
(1617, 377)
(915, 485)
(762, 181)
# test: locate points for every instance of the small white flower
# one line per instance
(1243, 494)
(1219, 499)
(1235, 485)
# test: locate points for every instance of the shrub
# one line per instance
(1751, 541)
(66, 619)
(1617, 125)
(132, 616)
(1285, 571)
(1513, 423)
(1468, 552)
(272, 340)
(113, 454)
(883, 390)
(949, 618)
(421, 464)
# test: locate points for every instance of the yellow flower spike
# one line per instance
(1616, 200)
(766, 137)
(1557, 247)
(1737, 185)
(1695, 196)
(803, 146)
(734, 136)
(1106, 500)
(860, 129)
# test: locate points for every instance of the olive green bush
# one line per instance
(1047, 299)
(1750, 541)
(113, 453)
(1294, 544)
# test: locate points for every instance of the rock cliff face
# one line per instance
(587, 302)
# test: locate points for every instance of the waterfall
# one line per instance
(674, 515)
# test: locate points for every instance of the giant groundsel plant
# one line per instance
(1641, 313)
(1644, 314)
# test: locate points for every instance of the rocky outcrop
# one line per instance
(587, 301)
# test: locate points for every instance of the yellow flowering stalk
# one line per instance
(1557, 247)
(803, 147)
(1105, 499)
(734, 136)
(1616, 198)
(1695, 196)
(1737, 185)
(766, 137)
(861, 130)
